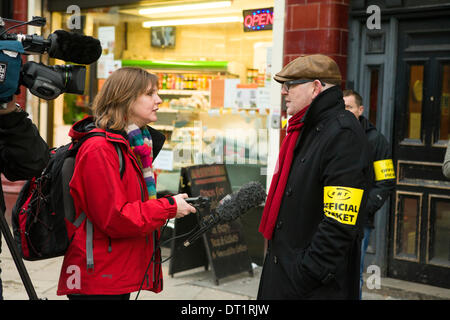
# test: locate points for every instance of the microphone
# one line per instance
(67, 46)
(197, 200)
(73, 47)
(232, 206)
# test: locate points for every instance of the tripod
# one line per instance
(17, 259)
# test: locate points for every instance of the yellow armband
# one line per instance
(342, 203)
(384, 169)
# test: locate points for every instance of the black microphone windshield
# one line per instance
(247, 197)
(74, 47)
(232, 206)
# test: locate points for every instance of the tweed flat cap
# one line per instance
(315, 66)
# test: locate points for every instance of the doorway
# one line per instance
(419, 246)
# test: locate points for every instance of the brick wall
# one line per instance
(317, 26)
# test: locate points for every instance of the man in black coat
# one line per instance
(312, 218)
(23, 153)
(383, 178)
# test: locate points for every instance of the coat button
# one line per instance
(288, 191)
(275, 259)
(279, 224)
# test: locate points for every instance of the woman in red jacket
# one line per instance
(111, 249)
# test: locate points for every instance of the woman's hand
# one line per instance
(183, 208)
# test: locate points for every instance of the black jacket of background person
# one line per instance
(311, 255)
(379, 190)
(23, 153)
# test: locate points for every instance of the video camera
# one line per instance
(46, 82)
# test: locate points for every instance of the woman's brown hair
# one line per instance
(112, 104)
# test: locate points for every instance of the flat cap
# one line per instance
(315, 66)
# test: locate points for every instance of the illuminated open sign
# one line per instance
(258, 19)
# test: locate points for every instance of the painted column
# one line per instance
(317, 26)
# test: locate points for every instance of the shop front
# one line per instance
(213, 60)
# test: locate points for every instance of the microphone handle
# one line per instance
(214, 219)
(192, 199)
(197, 235)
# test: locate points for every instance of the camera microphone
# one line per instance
(46, 82)
(231, 207)
(73, 47)
(63, 45)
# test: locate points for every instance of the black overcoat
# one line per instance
(315, 249)
(382, 187)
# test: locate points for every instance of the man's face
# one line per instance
(299, 96)
(350, 105)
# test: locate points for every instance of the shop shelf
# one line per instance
(162, 127)
(184, 65)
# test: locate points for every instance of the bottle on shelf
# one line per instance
(160, 81)
(164, 83)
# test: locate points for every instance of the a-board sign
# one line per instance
(186, 258)
(224, 244)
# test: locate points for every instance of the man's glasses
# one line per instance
(288, 84)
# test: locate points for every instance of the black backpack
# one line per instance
(44, 205)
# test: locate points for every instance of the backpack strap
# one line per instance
(90, 227)
(89, 246)
(121, 160)
(79, 220)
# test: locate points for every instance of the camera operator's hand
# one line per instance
(183, 208)
(11, 106)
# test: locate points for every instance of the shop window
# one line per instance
(214, 80)
(444, 132)
(439, 237)
(75, 108)
(407, 226)
(415, 96)
(374, 76)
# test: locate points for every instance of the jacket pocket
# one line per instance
(289, 266)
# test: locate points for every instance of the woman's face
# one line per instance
(143, 109)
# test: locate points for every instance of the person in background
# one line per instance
(123, 213)
(23, 152)
(383, 178)
(446, 163)
(312, 217)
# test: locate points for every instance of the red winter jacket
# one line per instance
(125, 228)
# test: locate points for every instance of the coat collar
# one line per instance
(326, 104)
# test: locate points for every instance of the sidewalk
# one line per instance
(194, 284)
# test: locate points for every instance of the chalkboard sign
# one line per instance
(225, 245)
(193, 256)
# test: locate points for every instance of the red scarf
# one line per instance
(279, 179)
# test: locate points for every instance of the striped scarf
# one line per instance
(142, 146)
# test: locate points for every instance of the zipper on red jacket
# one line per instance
(109, 245)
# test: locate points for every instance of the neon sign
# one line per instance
(258, 19)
